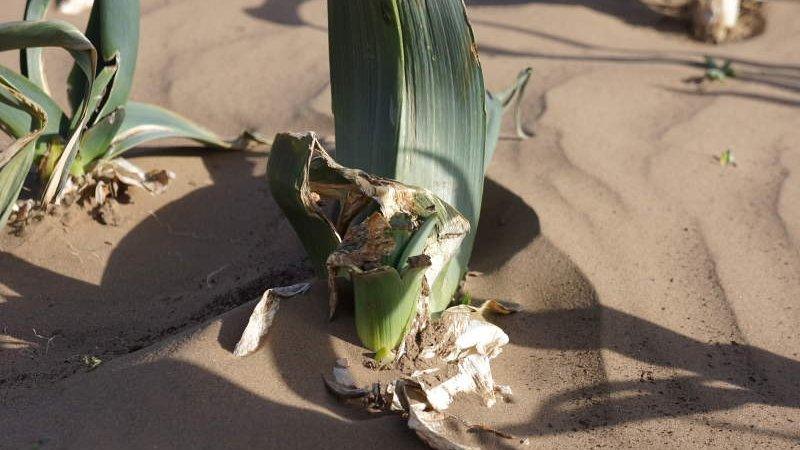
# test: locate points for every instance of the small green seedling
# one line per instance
(726, 158)
(91, 362)
(715, 72)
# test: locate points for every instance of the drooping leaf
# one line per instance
(15, 161)
(31, 63)
(50, 33)
(16, 121)
(144, 123)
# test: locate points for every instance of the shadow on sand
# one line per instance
(723, 376)
(186, 404)
(156, 280)
(784, 77)
(286, 12)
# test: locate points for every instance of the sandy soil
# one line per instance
(659, 288)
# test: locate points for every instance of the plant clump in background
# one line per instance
(68, 151)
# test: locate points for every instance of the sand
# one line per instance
(659, 288)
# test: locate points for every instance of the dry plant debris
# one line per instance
(449, 358)
(263, 315)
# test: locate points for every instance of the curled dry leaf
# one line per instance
(122, 170)
(263, 315)
(472, 342)
(343, 391)
(109, 178)
(465, 332)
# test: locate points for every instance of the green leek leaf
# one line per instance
(496, 104)
(31, 63)
(409, 101)
(15, 161)
(288, 176)
(385, 305)
(96, 139)
(145, 123)
(118, 44)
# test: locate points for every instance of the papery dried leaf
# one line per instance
(263, 315)
(474, 377)
(435, 428)
(125, 172)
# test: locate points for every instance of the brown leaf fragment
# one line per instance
(499, 307)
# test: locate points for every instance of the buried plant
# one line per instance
(389, 241)
(409, 105)
(392, 227)
(103, 124)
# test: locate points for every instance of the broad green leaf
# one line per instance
(409, 99)
(76, 81)
(385, 306)
(99, 89)
(288, 176)
(118, 29)
(144, 123)
(15, 161)
(367, 83)
(17, 35)
(31, 63)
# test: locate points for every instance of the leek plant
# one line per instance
(389, 241)
(409, 105)
(102, 125)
